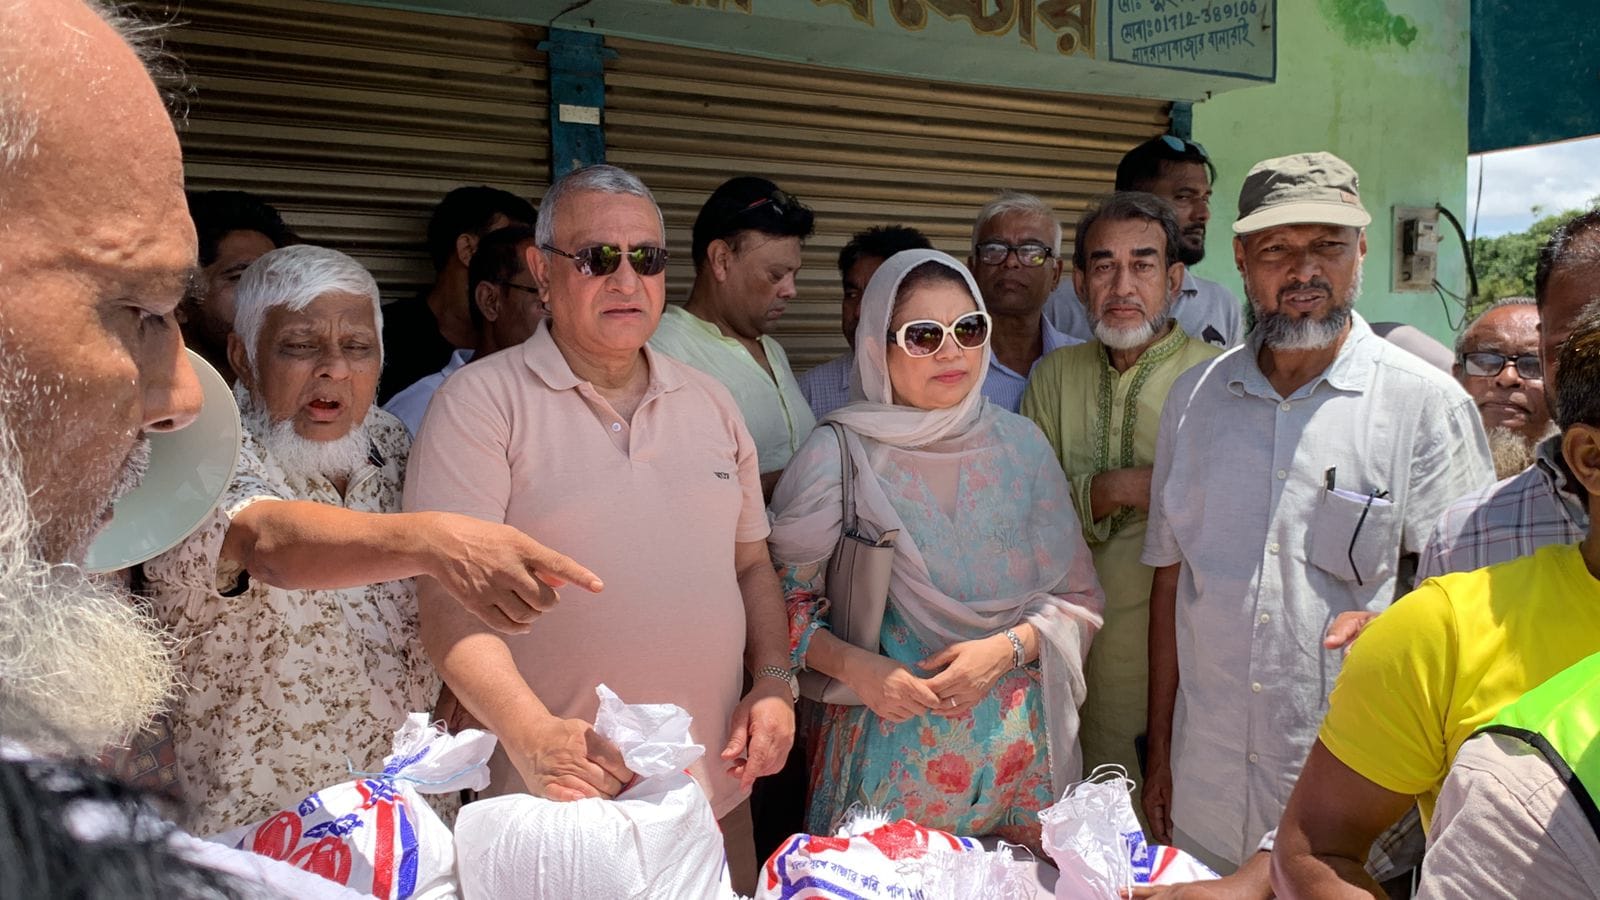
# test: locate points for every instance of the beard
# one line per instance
(300, 456)
(81, 666)
(68, 502)
(1127, 337)
(1282, 331)
(1191, 254)
(1511, 451)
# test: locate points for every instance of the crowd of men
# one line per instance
(1257, 482)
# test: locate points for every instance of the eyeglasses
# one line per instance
(1485, 364)
(603, 259)
(924, 337)
(521, 287)
(1179, 145)
(1029, 254)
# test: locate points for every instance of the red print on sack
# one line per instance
(328, 857)
(277, 836)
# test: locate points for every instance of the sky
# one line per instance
(1555, 177)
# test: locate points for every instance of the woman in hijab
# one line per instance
(990, 569)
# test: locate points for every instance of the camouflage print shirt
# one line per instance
(283, 691)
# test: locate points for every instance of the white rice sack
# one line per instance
(375, 834)
(658, 840)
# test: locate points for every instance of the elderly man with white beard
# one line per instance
(294, 604)
(97, 254)
(1291, 475)
(1099, 404)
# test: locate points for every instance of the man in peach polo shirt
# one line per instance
(643, 467)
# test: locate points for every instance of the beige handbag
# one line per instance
(857, 587)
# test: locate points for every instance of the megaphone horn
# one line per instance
(189, 472)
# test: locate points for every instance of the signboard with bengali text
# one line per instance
(1234, 38)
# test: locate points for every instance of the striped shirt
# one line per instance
(1540, 505)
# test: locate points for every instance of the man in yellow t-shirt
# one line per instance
(1440, 664)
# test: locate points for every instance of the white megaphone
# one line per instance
(189, 471)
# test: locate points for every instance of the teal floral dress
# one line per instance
(983, 772)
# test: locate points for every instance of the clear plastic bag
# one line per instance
(1096, 842)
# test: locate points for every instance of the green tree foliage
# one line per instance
(1505, 264)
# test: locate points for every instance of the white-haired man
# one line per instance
(1099, 404)
(298, 617)
(1291, 475)
(1016, 260)
(98, 252)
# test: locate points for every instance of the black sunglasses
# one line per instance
(1029, 254)
(603, 259)
(521, 287)
(1486, 364)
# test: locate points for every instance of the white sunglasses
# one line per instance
(924, 337)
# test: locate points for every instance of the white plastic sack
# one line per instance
(658, 840)
(870, 858)
(1096, 842)
(376, 834)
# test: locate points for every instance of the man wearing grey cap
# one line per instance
(1292, 474)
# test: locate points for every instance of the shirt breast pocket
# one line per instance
(1353, 536)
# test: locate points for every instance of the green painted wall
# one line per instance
(1380, 83)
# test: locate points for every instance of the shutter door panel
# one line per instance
(860, 149)
(354, 122)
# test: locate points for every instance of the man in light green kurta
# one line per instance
(1099, 405)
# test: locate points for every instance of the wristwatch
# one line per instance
(786, 675)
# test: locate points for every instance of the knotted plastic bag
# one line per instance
(375, 834)
(1096, 842)
(658, 839)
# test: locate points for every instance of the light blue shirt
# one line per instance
(1003, 387)
(827, 387)
(410, 404)
(1286, 512)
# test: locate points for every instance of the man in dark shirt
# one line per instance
(420, 334)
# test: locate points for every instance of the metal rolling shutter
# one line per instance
(355, 121)
(861, 149)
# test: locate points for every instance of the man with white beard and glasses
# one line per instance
(1099, 404)
(1291, 475)
(1497, 362)
(294, 604)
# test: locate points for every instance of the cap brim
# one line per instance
(1304, 213)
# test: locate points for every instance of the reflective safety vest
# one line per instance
(1561, 720)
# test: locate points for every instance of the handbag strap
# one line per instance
(847, 481)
